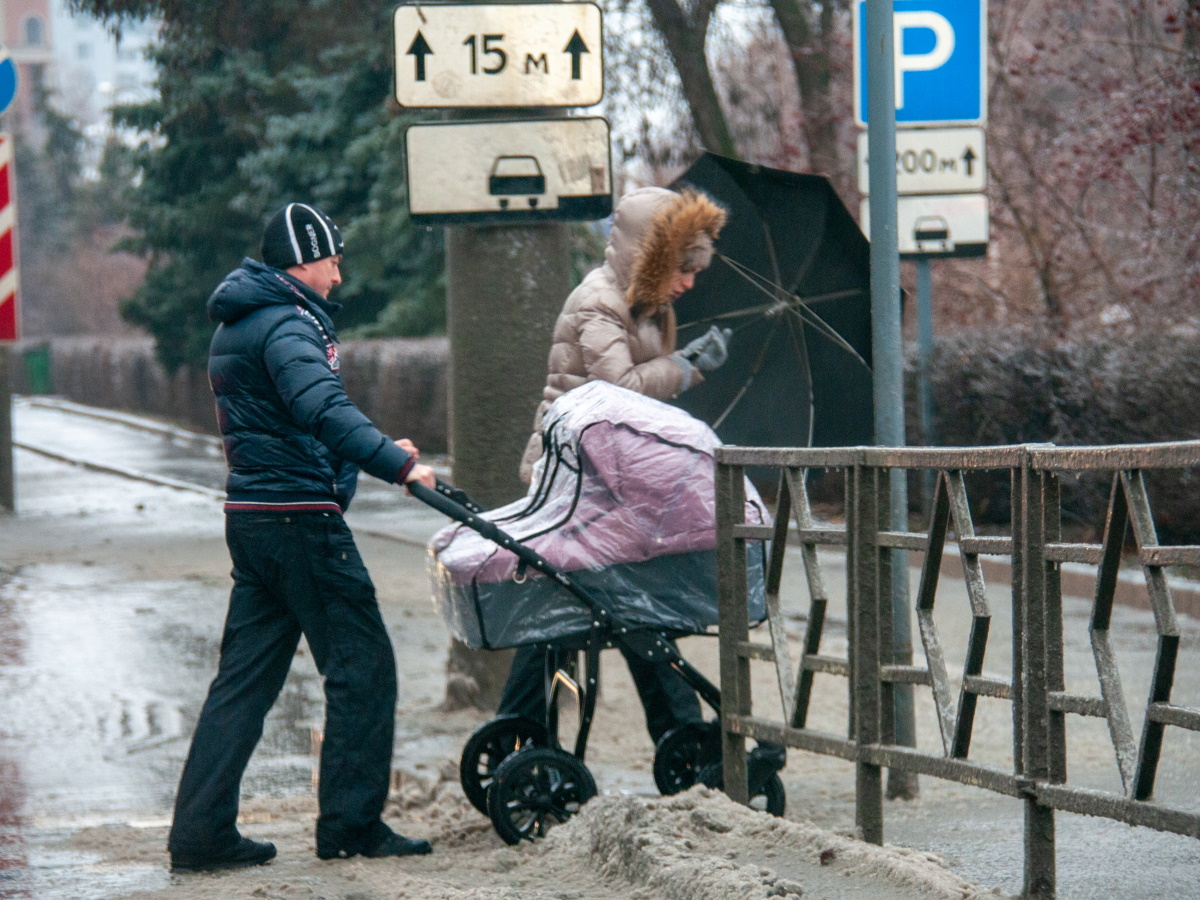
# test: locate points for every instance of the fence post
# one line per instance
(1039, 509)
(870, 493)
(1018, 478)
(734, 627)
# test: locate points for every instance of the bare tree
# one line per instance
(814, 33)
(1094, 168)
(685, 31)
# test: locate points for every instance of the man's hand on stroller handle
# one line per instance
(422, 474)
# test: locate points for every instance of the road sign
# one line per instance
(10, 321)
(509, 172)
(8, 79)
(946, 225)
(504, 54)
(940, 62)
(933, 161)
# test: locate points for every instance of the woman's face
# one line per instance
(681, 282)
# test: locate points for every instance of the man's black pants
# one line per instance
(668, 700)
(293, 574)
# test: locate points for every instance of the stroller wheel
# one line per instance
(536, 789)
(766, 789)
(682, 752)
(772, 797)
(489, 746)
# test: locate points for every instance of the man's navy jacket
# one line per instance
(293, 439)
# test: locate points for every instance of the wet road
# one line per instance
(112, 595)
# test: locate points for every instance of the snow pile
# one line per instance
(700, 845)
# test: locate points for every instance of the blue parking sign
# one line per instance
(940, 62)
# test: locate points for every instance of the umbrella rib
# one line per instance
(801, 348)
(759, 281)
(762, 358)
(752, 311)
(816, 321)
(781, 292)
(826, 330)
(771, 252)
(750, 275)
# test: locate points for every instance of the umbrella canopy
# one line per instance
(791, 277)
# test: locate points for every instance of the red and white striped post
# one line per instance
(10, 319)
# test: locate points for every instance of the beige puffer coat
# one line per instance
(619, 324)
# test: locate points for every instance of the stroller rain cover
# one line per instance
(623, 501)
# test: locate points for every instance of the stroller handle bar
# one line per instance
(458, 495)
(455, 503)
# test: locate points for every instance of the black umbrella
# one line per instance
(791, 278)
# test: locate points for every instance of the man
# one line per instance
(294, 444)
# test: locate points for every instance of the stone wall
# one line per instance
(400, 384)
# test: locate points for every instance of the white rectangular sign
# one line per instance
(504, 54)
(933, 161)
(946, 225)
(506, 172)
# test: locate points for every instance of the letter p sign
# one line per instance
(938, 54)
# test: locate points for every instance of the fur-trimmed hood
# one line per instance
(654, 231)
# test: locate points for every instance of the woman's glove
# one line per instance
(710, 350)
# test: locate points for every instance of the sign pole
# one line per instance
(887, 346)
(505, 285)
(8, 492)
(925, 196)
(925, 350)
(10, 319)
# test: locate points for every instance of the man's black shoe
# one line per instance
(398, 845)
(244, 853)
(383, 842)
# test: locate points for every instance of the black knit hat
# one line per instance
(299, 234)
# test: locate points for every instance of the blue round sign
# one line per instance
(8, 79)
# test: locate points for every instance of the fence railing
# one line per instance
(1036, 689)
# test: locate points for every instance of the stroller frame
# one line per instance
(515, 770)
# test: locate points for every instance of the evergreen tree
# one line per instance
(260, 104)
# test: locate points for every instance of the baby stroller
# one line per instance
(614, 546)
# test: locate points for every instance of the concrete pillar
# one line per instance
(505, 286)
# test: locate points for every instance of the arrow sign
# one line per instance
(419, 48)
(933, 161)
(576, 47)
(497, 54)
(968, 157)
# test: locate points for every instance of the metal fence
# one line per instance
(1040, 703)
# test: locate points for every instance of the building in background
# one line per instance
(94, 71)
(78, 61)
(25, 29)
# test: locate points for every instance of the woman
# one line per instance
(619, 326)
